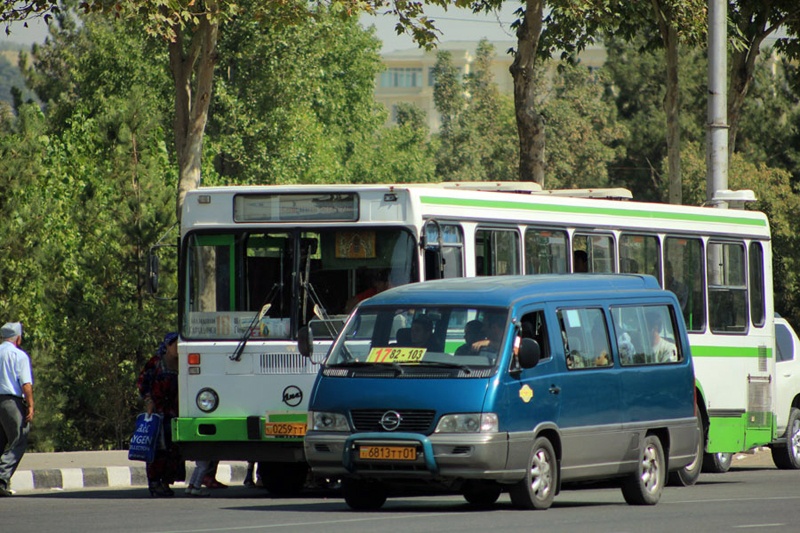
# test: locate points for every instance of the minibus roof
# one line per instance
(503, 291)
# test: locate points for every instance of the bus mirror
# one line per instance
(305, 341)
(152, 272)
(529, 353)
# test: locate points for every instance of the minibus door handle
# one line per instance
(554, 389)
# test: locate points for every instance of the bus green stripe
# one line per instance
(728, 351)
(586, 210)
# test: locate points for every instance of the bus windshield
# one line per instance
(272, 282)
(447, 336)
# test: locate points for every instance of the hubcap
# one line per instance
(541, 475)
(650, 468)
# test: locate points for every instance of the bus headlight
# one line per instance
(207, 400)
(322, 421)
(468, 423)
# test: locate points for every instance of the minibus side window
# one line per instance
(646, 335)
(533, 327)
(585, 337)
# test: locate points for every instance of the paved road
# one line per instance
(78, 470)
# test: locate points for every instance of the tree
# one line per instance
(475, 143)
(752, 21)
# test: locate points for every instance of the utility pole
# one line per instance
(717, 135)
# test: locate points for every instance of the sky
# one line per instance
(455, 24)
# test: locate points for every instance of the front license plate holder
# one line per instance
(387, 453)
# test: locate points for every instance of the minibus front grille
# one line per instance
(414, 420)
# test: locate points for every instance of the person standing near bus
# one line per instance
(158, 386)
(16, 403)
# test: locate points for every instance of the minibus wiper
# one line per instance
(361, 364)
(444, 364)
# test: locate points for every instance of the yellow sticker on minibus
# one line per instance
(393, 354)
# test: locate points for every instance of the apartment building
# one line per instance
(408, 77)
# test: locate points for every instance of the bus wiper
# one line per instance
(237, 353)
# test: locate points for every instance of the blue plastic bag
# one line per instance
(144, 441)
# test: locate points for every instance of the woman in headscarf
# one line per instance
(158, 387)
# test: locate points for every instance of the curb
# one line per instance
(106, 477)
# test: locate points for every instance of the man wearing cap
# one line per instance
(16, 402)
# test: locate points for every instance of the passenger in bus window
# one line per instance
(379, 282)
(676, 286)
(580, 261)
(473, 332)
(663, 350)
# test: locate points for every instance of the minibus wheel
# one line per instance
(644, 487)
(361, 495)
(787, 456)
(538, 488)
(481, 493)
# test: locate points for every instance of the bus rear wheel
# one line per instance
(689, 474)
(717, 463)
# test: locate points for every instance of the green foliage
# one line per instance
(478, 137)
(294, 103)
(583, 133)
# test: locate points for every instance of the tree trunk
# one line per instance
(194, 65)
(530, 123)
(669, 36)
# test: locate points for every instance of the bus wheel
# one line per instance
(717, 463)
(644, 487)
(283, 479)
(538, 488)
(787, 456)
(363, 495)
(481, 494)
(689, 474)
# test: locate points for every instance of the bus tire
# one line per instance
(283, 479)
(644, 487)
(689, 474)
(717, 463)
(787, 456)
(481, 493)
(538, 488)
(361, 495)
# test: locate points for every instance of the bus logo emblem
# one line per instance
(292, 396)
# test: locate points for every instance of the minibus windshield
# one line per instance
(451, 337)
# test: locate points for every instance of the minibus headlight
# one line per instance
(468, 423)
(322, 421)
(207, 400)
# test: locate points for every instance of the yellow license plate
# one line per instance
(285, 429)
(387, 453)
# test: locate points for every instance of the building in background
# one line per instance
(408, 77)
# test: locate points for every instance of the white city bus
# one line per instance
(258, 263)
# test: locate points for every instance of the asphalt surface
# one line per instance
(79, 470)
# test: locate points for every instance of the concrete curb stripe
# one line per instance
(119, 476)
(71, 478)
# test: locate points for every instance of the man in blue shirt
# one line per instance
(16, 402)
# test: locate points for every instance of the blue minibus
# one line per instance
(507, 384)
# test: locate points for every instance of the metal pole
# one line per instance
(717, 135)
